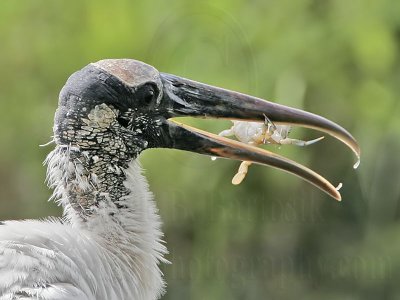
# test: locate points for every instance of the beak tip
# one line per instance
(357, 164)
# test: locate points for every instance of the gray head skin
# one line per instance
(110, 95)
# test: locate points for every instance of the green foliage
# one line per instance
(274, 236)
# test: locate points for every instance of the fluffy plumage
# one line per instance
(106, 257)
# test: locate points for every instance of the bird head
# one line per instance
(122, 107)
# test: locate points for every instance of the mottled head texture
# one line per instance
(116, 97)
(105, 118)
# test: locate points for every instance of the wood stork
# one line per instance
(109, 244)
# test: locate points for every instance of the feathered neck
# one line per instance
(114, 208)
(101, 193)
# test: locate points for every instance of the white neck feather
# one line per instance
(130, 229)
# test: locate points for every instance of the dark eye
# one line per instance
(147, 95)
(148, 98)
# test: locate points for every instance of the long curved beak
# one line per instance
(183, 97)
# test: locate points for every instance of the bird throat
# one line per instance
(87, 167)
(85, 181)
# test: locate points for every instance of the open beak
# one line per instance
(183, 97)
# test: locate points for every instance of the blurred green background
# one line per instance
(274, 236)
